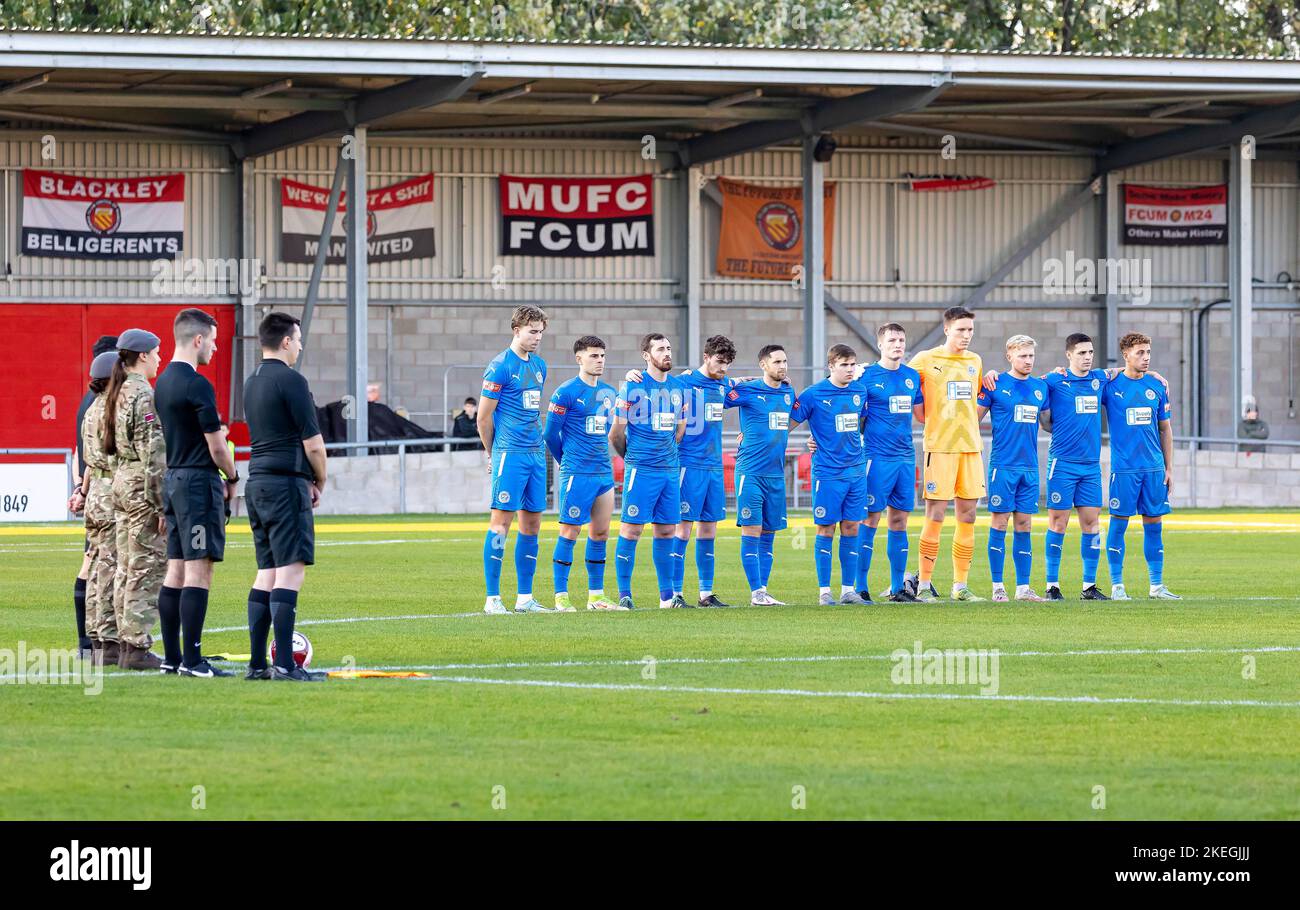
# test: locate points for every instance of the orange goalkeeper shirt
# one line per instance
(950, 383)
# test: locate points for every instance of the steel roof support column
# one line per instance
(814, 259)
(358, 421)
(1241, 268)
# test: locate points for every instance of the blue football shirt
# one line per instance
(1014, 407)
(577, 427)
(1134, 409)
(765, 425)
(890, 397)
(651, 409)
(516, 386)
(701, 447)
(1075, 402)
(835, 418)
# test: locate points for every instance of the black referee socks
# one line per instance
(259, 625)
(284, 606)
(169, 618)
(193, 610)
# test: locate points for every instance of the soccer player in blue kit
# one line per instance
(509, 423)
(894, 394)
(1016, 405)
(835, 409)
(1074, 464)
(703, 492)
(1141, 463)
(765, 406)
(577, 433)
(649, 421)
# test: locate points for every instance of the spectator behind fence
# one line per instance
(1252, 428)
(465, 425)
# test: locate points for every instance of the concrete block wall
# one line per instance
(458, 483)
(427, 340)
(448, 482)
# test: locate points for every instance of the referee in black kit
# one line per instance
(286, 477)
(194, 496)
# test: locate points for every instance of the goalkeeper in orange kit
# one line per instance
(954, 463)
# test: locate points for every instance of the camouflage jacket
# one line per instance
(92, 429)
(140, 444)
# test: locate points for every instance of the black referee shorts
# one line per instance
(195, 505)
(279, 513)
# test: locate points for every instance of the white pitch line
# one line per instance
(241, 545)
(816, 658)
(812, 693)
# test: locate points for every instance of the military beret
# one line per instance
(102, 366)
(141, 341)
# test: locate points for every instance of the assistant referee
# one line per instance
(194, 496)
(286, 477)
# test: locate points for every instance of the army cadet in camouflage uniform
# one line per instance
(96, 491)
(133, 434)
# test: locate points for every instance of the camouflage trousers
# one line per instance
(101, 535)
(141, 560)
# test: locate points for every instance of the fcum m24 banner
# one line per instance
(1176, 216)
(399, 222)
(577, 216)
(71, 216)
(763, 229)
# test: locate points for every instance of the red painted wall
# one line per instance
(46, 351)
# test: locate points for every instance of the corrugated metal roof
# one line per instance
(458, 39)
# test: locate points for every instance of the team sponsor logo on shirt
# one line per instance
(713, 411)
(846, 423)
(900, 404)
(1026, 413)
(490, 386)
(959, 390)
(557, 408)
(663, 423)
(1085, 404)
(595, 424)
(532, 399)
(778, 420)
(1137, 417)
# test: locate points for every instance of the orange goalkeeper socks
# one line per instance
(963, 547)
(929, 550)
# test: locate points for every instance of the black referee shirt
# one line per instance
(281, 414)
(187, 406)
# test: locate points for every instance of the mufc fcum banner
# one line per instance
(577, 216)
(399, 222)
(1176, 216)
(76, 217)
(762, 229)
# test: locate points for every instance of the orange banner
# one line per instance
(762, 229)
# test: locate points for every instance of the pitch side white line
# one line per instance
(814, 658)
(927, 696)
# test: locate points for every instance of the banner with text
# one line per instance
(762, 229)
(1176, 216)
(577, 216)
(70, 216)
(399, 222)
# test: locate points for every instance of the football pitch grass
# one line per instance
(1148, 709)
